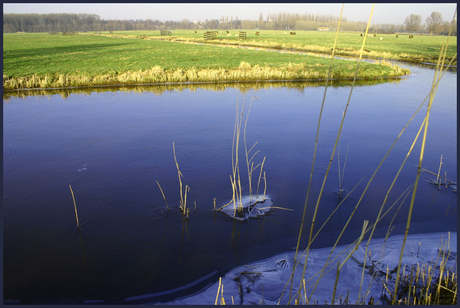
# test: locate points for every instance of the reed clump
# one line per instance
(431, 283)
(244, 72)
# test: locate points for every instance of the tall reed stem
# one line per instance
(335, 145)
(75, 207)
(314, 157)
(434, 87)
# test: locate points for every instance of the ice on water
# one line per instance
(253, 206)
(264, 281)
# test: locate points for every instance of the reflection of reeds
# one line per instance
(158, 89)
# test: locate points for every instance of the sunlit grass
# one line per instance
(40, 60)
(422, 48)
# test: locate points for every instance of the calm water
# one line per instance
(112, 147)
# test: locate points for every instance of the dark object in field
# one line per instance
(242, 35)
(411, 36)
(361, 34)
(257, 33)
(228, 32)
(396, 36)
(375, 35)
(292, 33)
(195, 31)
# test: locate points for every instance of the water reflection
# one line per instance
(159, 89)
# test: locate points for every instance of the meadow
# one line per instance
(40, 60)
(421, 48)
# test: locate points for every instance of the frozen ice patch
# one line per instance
(262, 282)
(248, 207)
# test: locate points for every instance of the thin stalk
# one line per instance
(246, 148)
(163, 195)
(439, 171)
(218, 290)
(385, 199)
(75, 207)
(352, 244)
(338, 163)
(260, 175)
(422, 151)
(179, 174)
(335, 145)
(265, 182)
(314, 153)
(319, 230)
(358, 242)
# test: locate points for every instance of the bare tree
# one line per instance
(412, 22)
(434, 23)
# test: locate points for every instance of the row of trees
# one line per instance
(434, 24)
(282, 21)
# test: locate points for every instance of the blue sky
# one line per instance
(394, 13)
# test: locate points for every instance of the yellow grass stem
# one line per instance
(260, 174)
(75, 207)
(422, 151)
(218, 290)
(313, 162)
(265, 181)
(356, 243)
(183, 200)
(248, 161)
(439, 171)
(319, 230)
(163, 195)
(335, 145)
(385, 199)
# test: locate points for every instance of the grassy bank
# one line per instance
(39, 60)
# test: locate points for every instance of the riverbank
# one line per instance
(50, 61)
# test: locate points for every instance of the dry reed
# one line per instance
(75, 207)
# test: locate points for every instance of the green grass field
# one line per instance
(40, 60)
(420, 48)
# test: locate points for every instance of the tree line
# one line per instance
(66, 22)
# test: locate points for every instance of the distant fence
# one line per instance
(242, 35)
(210, 35)
(165, 32)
